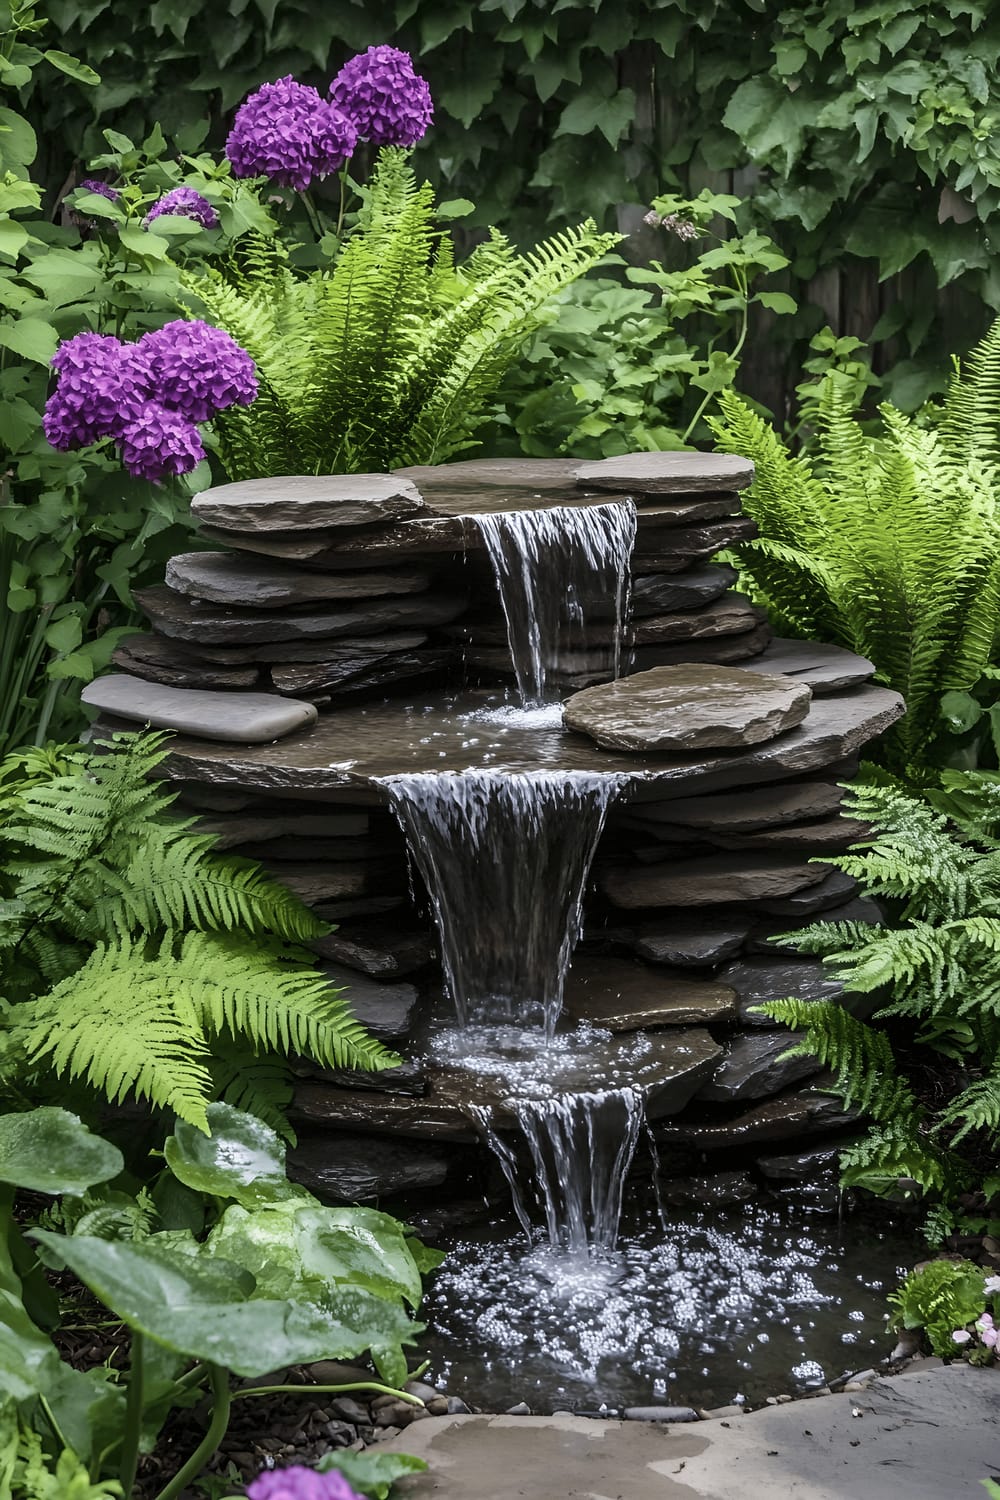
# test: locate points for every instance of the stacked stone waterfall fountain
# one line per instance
(686, 800)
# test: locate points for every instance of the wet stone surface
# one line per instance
(761, 979)
(754, 1067)
(229, 578)
(687, 708)
(624, 996)
(291, 503)
(244, 718)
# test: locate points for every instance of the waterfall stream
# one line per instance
(554, 569)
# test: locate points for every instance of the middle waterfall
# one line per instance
(505, 857)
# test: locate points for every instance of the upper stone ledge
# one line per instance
(667, 473)
(308, 502)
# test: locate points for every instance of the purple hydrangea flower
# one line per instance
(97, 386)
(298, 1483)
(185, 201)
(158, 442)
(389, 103)
(104, 188)
(196, 369)
(287, 132)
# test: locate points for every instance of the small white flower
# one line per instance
(962, 1336)
(993, 1283)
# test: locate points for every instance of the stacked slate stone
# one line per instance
(729, 746)
(328, 587)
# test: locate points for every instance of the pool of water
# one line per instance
(704, 1311)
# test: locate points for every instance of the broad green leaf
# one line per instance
(455, 208)
(72, 66)
(200, 1310)
(49, 1150)
(13, 237)
(95, 206)
(18, 142)
(242, 1158)
(65, 275)
(371, 1473)
(32, 338)
(960, 711)
(17, 193)
(779, 302)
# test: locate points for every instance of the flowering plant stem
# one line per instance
(222, 1401)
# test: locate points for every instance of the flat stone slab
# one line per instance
(345, 1168)
(307, 502)
(666, 1068)
(667, 473)
(752, 808)
(240, 718)
(924, 1435)
(827, 669)
(386, 948)
(806, 1111)
(698, 943)
(346, 755)
(754, 1067)
(624, 996)
(234, 578)
(156, 659)
(183, 619)
(653, 593)
(348, 672)
(710, 881)
(757, 980)
(384, 1010)
(687, 708)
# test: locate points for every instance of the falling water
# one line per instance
(554, 568)
(581, 1147)
(505, 858)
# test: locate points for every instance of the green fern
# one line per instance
(887, 545)
(134, 958)
(936, 966)
(391, 355)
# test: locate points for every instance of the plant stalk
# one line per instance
(326, 1390)
(133, 1418)
(213, 1437)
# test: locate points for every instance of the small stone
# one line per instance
(522, 1409)
(721, 1411)
(244, 718)
(386, 1011)
(660, 1414)
(339, 1433)
(395, 1413)
(457, 1407)
(438, 1406)
(421, 1390)
(336, 1372)
(384, 949)
(347, 1408)
(698, 944)
(687, 708)
(666, 473)
(307, 502)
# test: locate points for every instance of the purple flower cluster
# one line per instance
(188, 203)
(93, 185)
(389, 103)
(298, 1483)
(147, 396)
(287, 132)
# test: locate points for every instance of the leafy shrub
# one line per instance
(888, 545)
(136, 960)
(939, 1297)
(342, 1282)
(625, 367)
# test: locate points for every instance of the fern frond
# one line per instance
(859, 1056)
(971, 421)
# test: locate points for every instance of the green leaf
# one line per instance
(778, 302)
(370, 1473)
(32, 338)
(199, 1308)
(242, 1158)
(18, 142)
(455, 208)
(960, 711)
(73, 67)
(588, 112)
(13, 238)
(49, 1150)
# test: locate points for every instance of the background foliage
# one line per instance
(861, 135)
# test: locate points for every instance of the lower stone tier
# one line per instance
(692, 884)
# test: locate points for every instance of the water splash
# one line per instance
(505, 858)
(554, 569)
(581, 1146)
